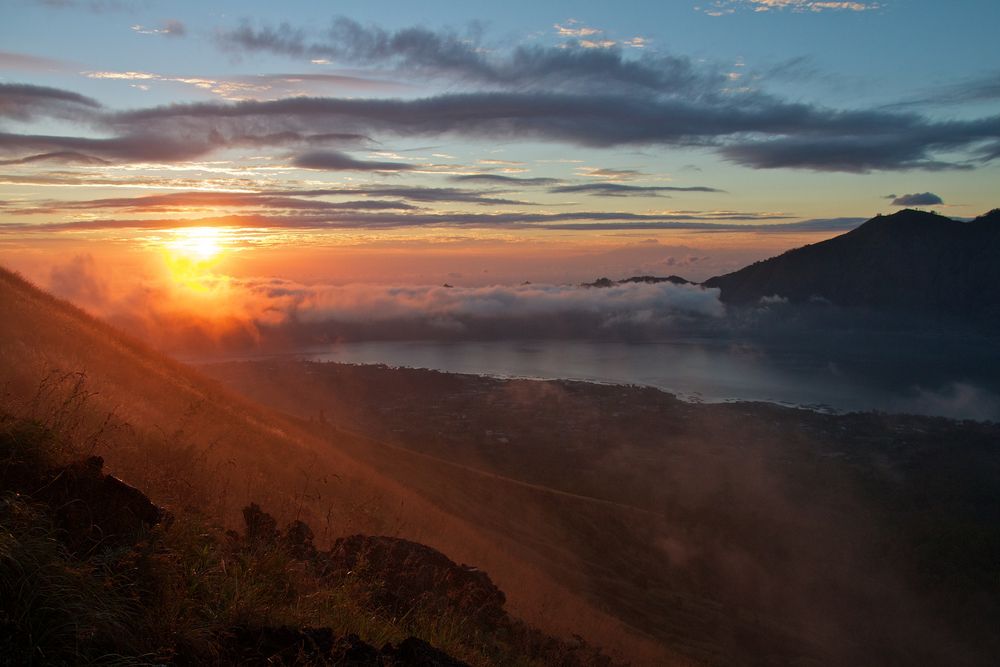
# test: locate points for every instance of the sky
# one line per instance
(186, 145)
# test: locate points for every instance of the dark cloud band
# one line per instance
(623, 190)
(337, 161)
(917, 199)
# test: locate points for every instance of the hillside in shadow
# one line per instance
(734, 533)
(94, 572)
(911, 261)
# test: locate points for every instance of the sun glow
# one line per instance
(192, 254)
(199, 244)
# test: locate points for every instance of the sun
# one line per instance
(198, 244)
(192, 254)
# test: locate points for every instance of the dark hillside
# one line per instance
(909, 261)
(738, 534)
(91, 568)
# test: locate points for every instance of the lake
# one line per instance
(713, 371)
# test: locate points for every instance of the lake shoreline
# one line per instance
(697, 370)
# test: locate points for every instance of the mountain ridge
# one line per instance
(910, 260)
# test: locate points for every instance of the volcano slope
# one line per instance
(732, 533)
(194, 446)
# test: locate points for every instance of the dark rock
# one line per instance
(94, 510)
(418, 653)
(401, 576)
(298, 539)
(282, 645)
(285, 645)
(261, 528)
(351, 650)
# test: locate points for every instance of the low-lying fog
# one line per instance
(680, 338)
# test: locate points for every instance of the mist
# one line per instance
(814, 354)
(219, 314)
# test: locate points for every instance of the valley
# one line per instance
(725, 530)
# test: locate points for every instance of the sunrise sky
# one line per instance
(186, 145)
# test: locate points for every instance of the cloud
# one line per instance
(814, 5)
(499, 179)
(578, 65)
(712, 224)
(96, 6)
(129, 179)
(64, 157)
(723, 7)
(188, 201)
(337, 161)
(146, 144)
(610, 174)
(311, 139)
(80, 282)
(596, 43)
(538, 93)
(23, 61)
(174, 28)
(492, 161)
(571, 29)
(252, 185)
(167, 29)
(785, 134)
(979, 89)
(585, 37)
(983, 89)
(256, 86)
(136, 147)
(331, 217)
(988, 152)
(360, 303)
(818, 225)
(955, 400)
(862, 152)
(126, 76)
(270, 312)
(622, 190)
(25, 102)
(917, 199)
(412, 193)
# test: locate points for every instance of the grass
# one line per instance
(173, 593)
(202, 451)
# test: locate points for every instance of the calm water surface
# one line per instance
(701, 370)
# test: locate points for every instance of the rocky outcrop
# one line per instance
(401, 576)
(93, 510)
(285, 645)
(398, 578)
(91, 567)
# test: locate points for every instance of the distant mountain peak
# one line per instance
(649, 280)
(991, 216)
(909, 216)
(912, 260)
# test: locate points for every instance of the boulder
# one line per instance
(401, 576)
